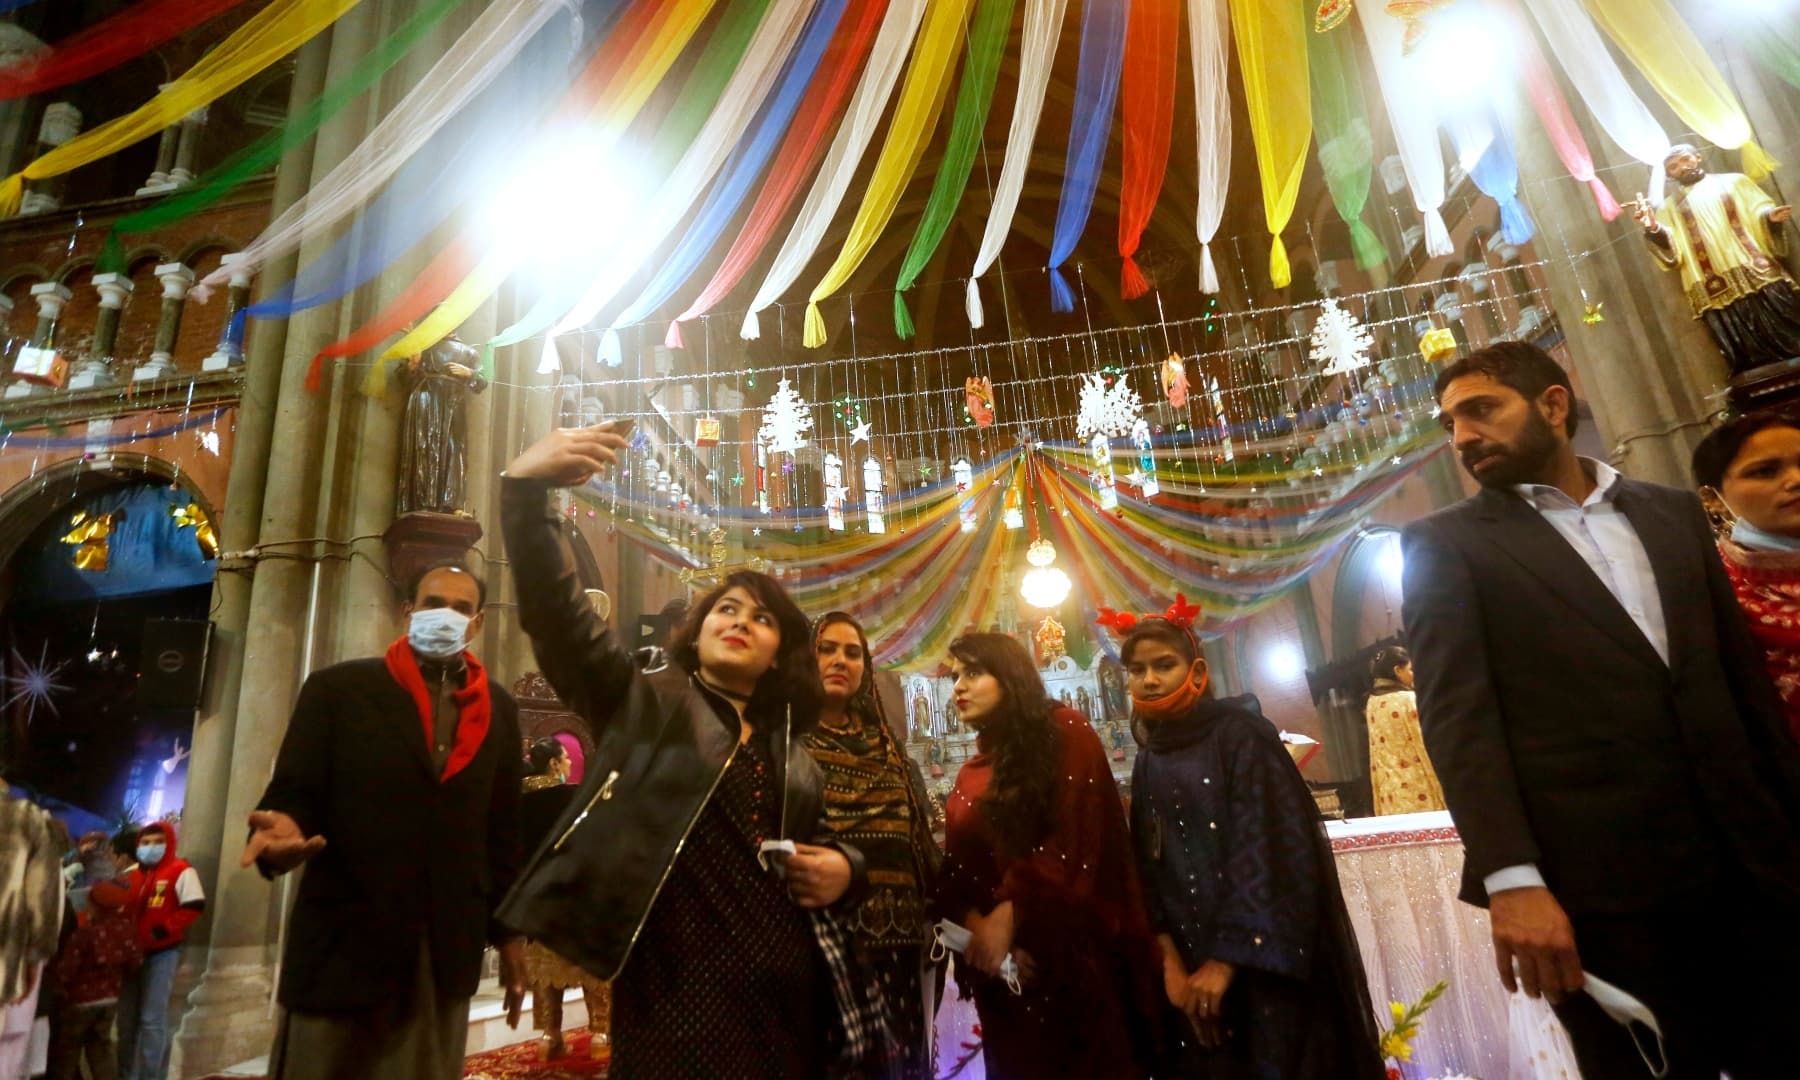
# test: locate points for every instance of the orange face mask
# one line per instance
(1176, 703)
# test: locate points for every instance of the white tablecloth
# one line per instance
(1400, 875)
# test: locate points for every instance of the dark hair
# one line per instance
(1027, 748)
(1175, 637)
(1388, 659)
(124, 842)
(864, 697)
(1518, 364)
(542, 755)
(792, 682)
(418, 579)
(1723, 444)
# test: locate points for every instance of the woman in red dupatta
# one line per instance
(1749, 476)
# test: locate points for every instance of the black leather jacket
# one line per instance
(660, 750)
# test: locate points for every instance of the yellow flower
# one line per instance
(1398, 1010)
(1393, 1046)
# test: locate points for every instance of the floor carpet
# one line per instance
(520, 1062)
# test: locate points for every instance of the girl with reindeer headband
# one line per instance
(1242, 894)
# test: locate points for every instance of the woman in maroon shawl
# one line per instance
(1039, 866)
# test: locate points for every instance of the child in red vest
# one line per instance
(166, 898)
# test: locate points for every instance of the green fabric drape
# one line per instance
(981, 68)
(712, 69)
(261, 155)
(1341, 125)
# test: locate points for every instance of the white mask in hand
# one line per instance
(951, 937)
(1628, 1010)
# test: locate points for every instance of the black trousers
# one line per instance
(1720, 982)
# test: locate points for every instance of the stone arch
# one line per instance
(1359, 566)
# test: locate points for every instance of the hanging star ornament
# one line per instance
(859, 433)
(37, 684)
(1592, 315)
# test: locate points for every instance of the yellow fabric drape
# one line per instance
(1271, 45)
(915, 117)
(270, 34)
(1664, 48)
(618, 104)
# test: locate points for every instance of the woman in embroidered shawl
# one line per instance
(1400, 773)
(876, 800)
(1257, 948)
(1038, 866)
(1749, 475)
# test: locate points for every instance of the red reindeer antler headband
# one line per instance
(1181, 613)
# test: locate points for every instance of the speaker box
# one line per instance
(172, 663)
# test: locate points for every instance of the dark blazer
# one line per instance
(406, 857)
(1563, 739)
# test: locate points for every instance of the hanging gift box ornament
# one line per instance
(45, 367)
(978, 394)
(1100, 453)
(1438, 344)
(706, 431)
(1140, 438)
(1174, 381)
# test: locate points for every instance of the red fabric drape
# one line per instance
(799, 151)
(1147, 96)
(1553, 112)
(109, 43)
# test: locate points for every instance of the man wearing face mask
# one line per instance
(398, 784)
(165, 900)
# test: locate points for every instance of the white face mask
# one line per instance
(954, 937)
(1628, 1010)
(438, 633)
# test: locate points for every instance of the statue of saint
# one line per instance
(1724, 234)
(434, 436)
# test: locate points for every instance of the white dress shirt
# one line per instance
(1604, 538)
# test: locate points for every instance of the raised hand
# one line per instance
(277, 842)
(569, 456)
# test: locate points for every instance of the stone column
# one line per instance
(62, 122)
(39, 369)
(230, 352)
(166, 145)
(176, 280)
(187, 148)
(96, 369)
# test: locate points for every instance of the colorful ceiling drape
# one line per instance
(1271, 36)
(1209, 42)
(111, 41)
(1037, 52)
(1552, 108)
(1147, 114)
(1096, 91)
(266, 37)
(981, 68)
(1413, 120)
(1346, 145)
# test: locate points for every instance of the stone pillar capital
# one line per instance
(176, 280)
(241, 270)
(61, 122)
(6, 305)
(50, 297)
(113, 290)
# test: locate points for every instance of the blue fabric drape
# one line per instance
(148, 551)
(744, 166)
(1496, 173)
(1096, 95)
(457, 161)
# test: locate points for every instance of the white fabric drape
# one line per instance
(466, 68)
(1209, 29)
(1037, 54)
(738, 103)
(886, 60)
(1581, 51)
(1407, 98)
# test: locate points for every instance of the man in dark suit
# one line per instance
(398, 784)
(1609, 745)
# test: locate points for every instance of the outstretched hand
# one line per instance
(569, 456)
(277, 842)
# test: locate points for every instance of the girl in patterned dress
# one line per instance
(1400, 773)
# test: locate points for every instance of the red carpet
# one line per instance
(521, 1062)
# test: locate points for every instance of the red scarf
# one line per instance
(474, 706)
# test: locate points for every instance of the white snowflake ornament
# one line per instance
(1108, 410)
(786, 420)
(1339, 341)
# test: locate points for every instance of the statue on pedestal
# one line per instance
(1724, 234)
(434, 437)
